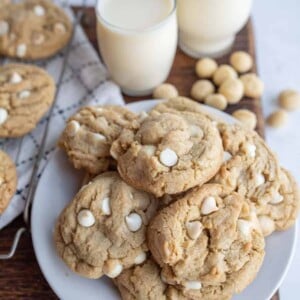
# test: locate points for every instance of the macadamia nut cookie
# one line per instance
(241, 61)
(165, 91)
(8, 180)
(33, 29)
(103, 230)
(88, 135)
(169, 153)
(208, 242)
(26, 94)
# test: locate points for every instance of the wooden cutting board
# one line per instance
(20, 277)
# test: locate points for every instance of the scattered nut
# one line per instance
(216, 100)
(165, 91)
(253, 86)
(223, 73)
(233, 90)
(246, 117)
(277, 118)
(241, 61)
(289, 99)
(201, 89)
(206, 67)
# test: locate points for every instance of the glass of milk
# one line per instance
(208, 27)
(137, 40)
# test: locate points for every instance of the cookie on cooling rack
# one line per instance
(103, 230)
(33, 29)
(89, 133)
(26, 94)
(8, 180)
(209, 243)
(169, 153)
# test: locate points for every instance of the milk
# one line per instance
(137, 40)
(208, 27)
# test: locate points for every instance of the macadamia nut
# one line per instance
(246, 117)
(277, 118)
(216, 100)
(206, 67)
(201, 89)
(241, 61)
(289, 100)
(223, 73)
(165, 91)
(253, 86)
(232, 90)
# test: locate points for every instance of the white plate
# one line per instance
(57, 186)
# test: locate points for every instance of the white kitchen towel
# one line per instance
(85, 82)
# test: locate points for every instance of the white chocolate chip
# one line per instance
(259, 179)
(278, 198)
(226, 156)
(24, 94)
(4, 28)
(143, 115)
(85, 218)
(98, 137)
(245, 227)
(3, 115)
(112, 269)
(251, 150)
(72, 128)
(209, 205)
(149, 150)
(21, 50)
(168, 157)
(15, 78)
(60, 28)
(195, 131)
(193, 285)
(134, 222)
(140, 258)
(194, 229)
(163, 278)
(267, 225)
(105, 206)
(39, 10)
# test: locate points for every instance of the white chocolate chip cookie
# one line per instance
(169, 153)
(95, 234)
(88, 135)
(33, 29)
(208, 243)
(26, 94)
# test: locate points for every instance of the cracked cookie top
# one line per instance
(89, 133)
(169, 153)
(26, 93)
(33, 29)
(207, 243)
(8, 180)
(103, 230)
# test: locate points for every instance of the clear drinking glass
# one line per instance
(138, 59)
(208, 27)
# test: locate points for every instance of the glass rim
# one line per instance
(137, 31)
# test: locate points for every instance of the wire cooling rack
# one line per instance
(17, 144)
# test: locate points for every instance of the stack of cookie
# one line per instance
(178, 205)
(33, 29)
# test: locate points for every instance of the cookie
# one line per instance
(4, 2)
(89, 133)
(169, 153)
(208, 243)
(26, 94)
(103, 229)
(282, 212)
(142, 282)
(33, 29)
(8, 180)
(250, 168)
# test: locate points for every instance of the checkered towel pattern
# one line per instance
(85, 82)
